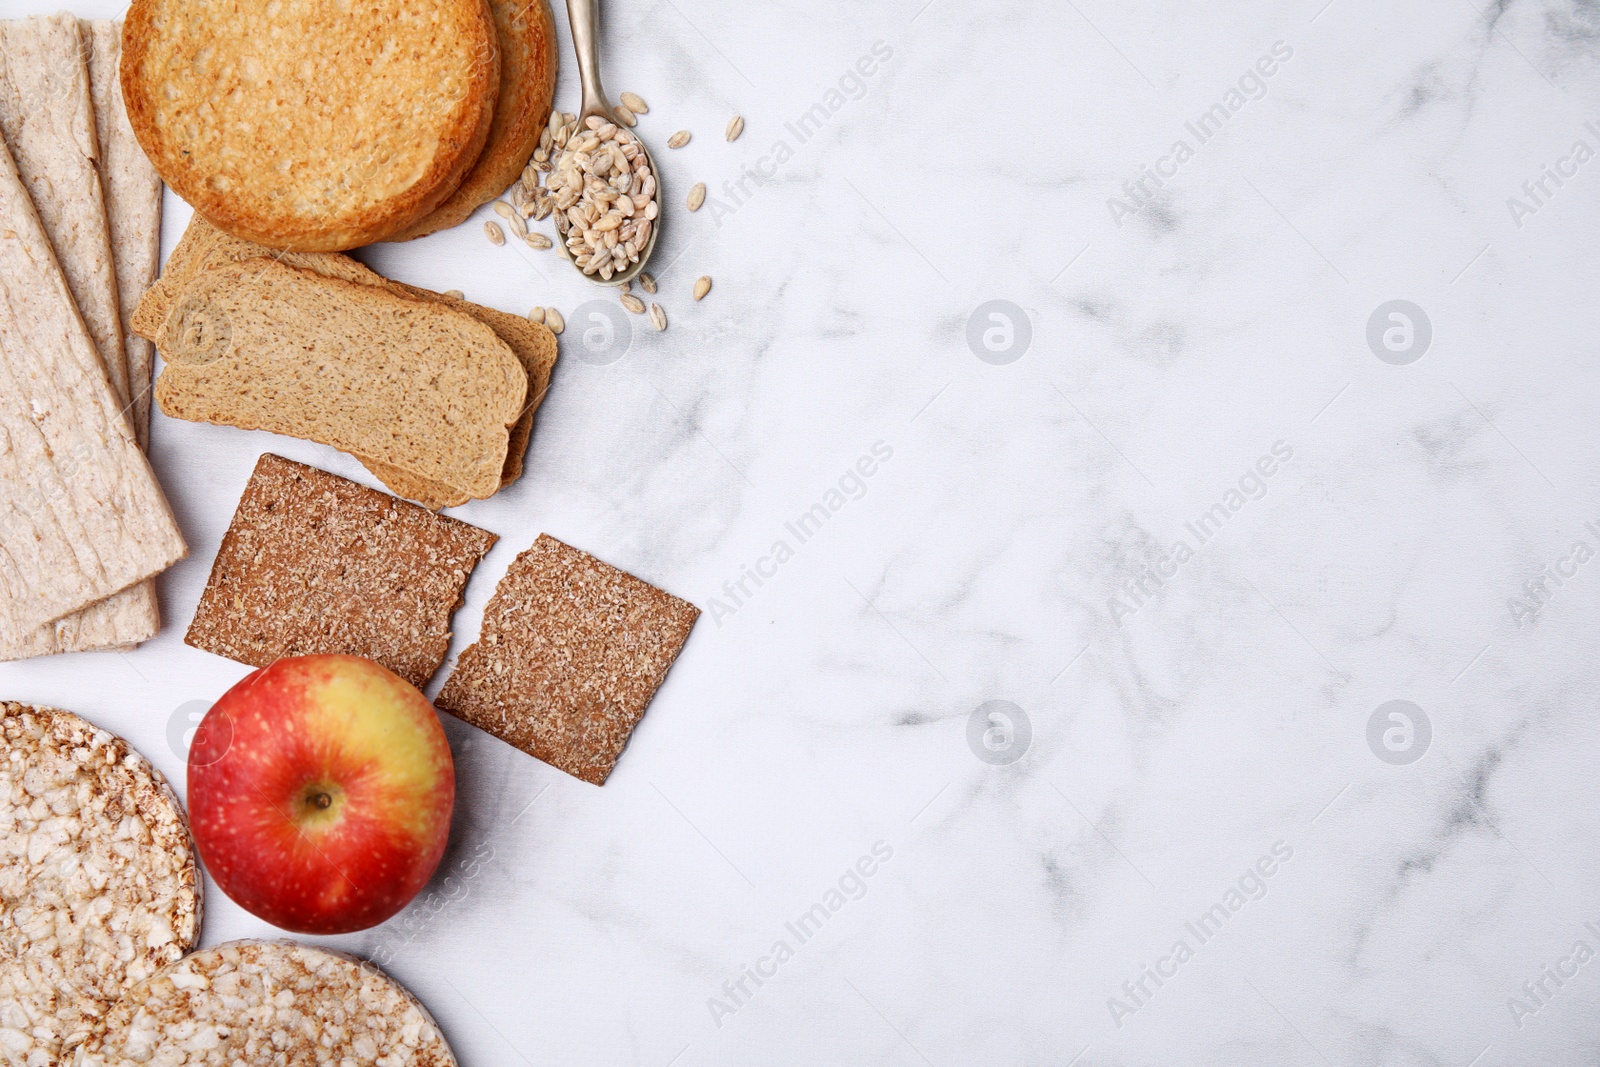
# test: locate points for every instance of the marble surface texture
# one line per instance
(1225, 375)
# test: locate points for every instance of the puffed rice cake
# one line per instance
(267, 1002)
(99, 885)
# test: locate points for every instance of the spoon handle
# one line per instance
(585, 18)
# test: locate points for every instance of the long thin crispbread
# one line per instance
(264, 346)
(50, 57)
(82, 516)
(571, 653)
(132, 191)
(47, 118)
(204, 245)
(313, 563)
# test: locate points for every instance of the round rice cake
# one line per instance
(311, 125)
(528, 63)
(99, 886)
(267, 1002)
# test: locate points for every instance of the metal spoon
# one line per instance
(585, 18)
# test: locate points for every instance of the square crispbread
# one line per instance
(132, 190)
(82, 516)
(313, 563)
(572, 652)
(262, 345)
(203, 245)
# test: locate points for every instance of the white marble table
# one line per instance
(1195, 507)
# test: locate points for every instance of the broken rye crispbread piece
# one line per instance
(82, 516)
(203, 245)
(261, 1002)
(571, 653)
(313, 563)
(100, 885)
(265, 346)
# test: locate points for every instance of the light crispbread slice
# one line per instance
(47, 119)
(534, 345)
(255, 1001)
(261, 345)
(313, 563)
(99, 884)
(308, 124)
(132, 191)
(528, 61)
(571, 653)
(133, 615)
(82, 516)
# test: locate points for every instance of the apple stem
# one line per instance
(322, 800)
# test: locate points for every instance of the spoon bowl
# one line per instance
(585, 18)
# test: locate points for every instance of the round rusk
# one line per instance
(311, 125)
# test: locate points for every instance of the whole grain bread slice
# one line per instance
(314, 563)
(528, 61)
(82, 516)
(262, 345)
(204, 245)
(307, 124)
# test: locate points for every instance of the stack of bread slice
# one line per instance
(316, 127)
(83, 522)
(435, 395)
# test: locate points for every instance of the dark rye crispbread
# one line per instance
(314, 563)
(571, 653)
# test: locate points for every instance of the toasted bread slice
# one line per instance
(204, 245)
(527, 87)
(309, 124)
(265, 346)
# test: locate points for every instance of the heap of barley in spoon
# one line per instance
(604, 196)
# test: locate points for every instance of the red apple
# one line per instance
(320, 792)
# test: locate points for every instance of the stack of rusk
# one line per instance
(84, 524)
